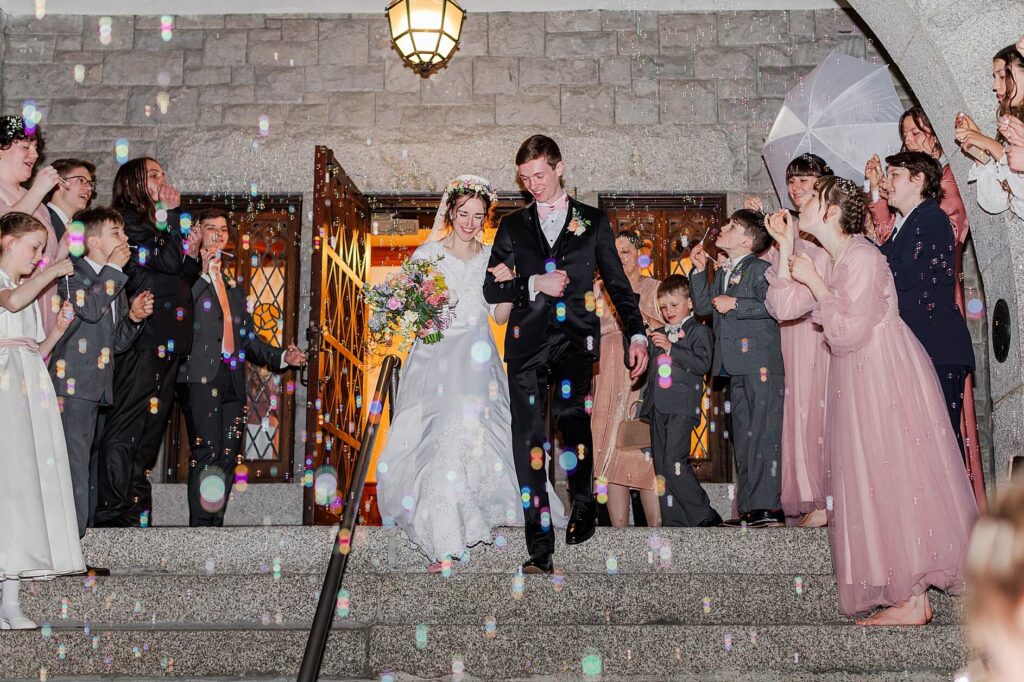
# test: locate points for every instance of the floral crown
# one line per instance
(472, 185)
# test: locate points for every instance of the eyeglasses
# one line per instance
(82, 180)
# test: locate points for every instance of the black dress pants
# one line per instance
(568, 369)
(214, 414)
(130, 443)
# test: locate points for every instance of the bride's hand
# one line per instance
(502, 273)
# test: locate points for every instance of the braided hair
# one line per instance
(847, 196)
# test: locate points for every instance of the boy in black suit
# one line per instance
(681, 355)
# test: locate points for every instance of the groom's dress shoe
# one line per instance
(581, 525)
(542, 565)
(740, 520)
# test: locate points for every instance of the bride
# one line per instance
(446, 474)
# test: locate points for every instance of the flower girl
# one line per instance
(38, 527)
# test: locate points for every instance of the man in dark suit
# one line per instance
(553, 246)
(71, 196)
(681, 356)
(213, 376)
(921, 254)
(144, 376)
(81, 364)
(748, 350)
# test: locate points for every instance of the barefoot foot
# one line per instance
(815, 519)
(915, 611)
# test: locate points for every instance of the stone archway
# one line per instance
(943, 49)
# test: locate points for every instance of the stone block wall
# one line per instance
(648, 100)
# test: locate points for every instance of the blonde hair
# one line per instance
(995, 560)
(15, 224)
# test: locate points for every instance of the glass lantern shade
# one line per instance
(425, 32)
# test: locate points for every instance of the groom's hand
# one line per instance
(637, 359)
(552, 283)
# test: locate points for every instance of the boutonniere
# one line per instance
(675, 333)
(578, 225)
(735, 279)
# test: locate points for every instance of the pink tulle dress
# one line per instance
(806, 357)
(902, 505)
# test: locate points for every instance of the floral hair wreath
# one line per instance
(472, 185)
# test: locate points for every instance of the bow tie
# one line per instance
(557, 206)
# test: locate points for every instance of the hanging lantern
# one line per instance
(425, 32)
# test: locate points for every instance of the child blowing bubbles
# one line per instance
(38, 528)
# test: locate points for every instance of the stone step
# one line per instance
(280, 504)
(486, 651)
(467, 599)
(304, 549)
(261, 504)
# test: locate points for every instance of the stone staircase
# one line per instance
(686, 604)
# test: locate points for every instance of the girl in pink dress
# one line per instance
(902, 505)
(805, 356)
(19, 150)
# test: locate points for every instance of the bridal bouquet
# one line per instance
(413, 303)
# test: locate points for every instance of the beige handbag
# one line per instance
(633, 434)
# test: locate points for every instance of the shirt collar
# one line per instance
(560, 203)
(93, 264)
(60, 214)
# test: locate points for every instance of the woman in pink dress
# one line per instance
(919, 136)
(19, 150)
(902, 505)
(614, 397)
(805, 357)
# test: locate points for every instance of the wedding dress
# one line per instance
(446, 475)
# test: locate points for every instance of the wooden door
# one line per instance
(264, 236)
(663, 221)
(335, 336)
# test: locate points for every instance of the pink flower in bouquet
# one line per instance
(429, 287)
(394, 304)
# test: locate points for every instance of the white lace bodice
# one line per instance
(464, 278)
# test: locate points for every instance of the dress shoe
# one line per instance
(96, 570)
(766, 518)
(711, 522)
(741, 520)
(542, 565)
(581, 525)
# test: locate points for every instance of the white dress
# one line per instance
(446, 475)
(38, 525)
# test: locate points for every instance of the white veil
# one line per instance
(467, 182)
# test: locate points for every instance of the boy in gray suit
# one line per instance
(681, 355)
(748, 351)
(81, 364)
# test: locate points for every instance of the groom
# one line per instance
(553, 246)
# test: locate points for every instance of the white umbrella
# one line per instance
(844, 111)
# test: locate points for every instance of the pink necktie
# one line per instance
(560, 204)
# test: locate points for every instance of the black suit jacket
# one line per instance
(690, 360)
(520, 244)
(205, 359)
(159, 264)
(922, 259)
(77, 364)
(58, 225)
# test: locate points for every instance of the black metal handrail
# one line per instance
(312, 658)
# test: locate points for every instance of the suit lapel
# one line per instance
(556, 248)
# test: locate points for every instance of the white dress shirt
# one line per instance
(97, 268)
